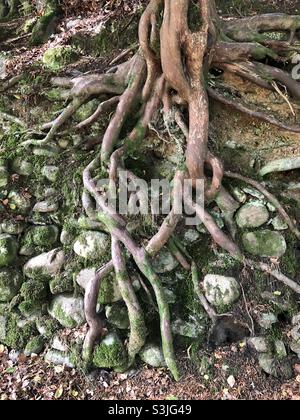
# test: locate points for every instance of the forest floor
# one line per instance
(233, 374)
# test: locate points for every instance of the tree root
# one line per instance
(169, 73)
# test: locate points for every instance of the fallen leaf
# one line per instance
(59, 392)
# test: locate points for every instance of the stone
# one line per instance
(266, 321)
(295, 333)
(188, 328)
(10, 283)
(51, 150)
(57, 57)
(239, 195)
(66, 238)
(268, 364)
(152, 354)
(109, 289)
(46, 206)
(110, 353)
(44, 236)
(34, 346)
(164, 262)
(91, 245)
(18, 202)
(8, 249)
(3, 331)
(252, 215)
(117, 315)
(265, 243)
(191, 236)
(67, 310)
(280, 349)
(259, 344)
(295, 347)
(22, 167)
(50, 173)
(254, 193)
(47, 264)
(170, 296)
(296, 319)
(221, 290)
(4, 175)
(58, 358)
(12, 227)
(57, 344)
(279, 224)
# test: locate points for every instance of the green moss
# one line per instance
(110, 353)
(47, 326)
(33, 290)
(18, 336)
(35, 345)
(62, 284)
(46, 23)
(32, 308)
(57, 57)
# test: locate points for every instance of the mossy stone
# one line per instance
(67, 310)
(265, 243)
(117, 315)
(10, 283)
(44, 236)
(91, 245)
(252, 215)
(34, 346)
(18, 202)
(8, 250)
(110, 353)
(57, 57)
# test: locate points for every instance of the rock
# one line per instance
(254, 193)
(10, 284)
(259, 344)
(271, 207)
(57, 57)
(110, 353)
(117, 315)
(47, 264)
(18, 202)
(66, 238)
(3, 331)
(12, 227)
(47, 326)
(191, 236)
(67, 310)
(187, 329)
(58, 358)
(295, 347)
(265, 243)
(252, 215)
(62, 283)
(8, 249)
(239, 195)
(44, 236)
(164, 262)
(278, 369)
(268, 364)
(51, 173)
(279, 224)
(266, 321)
(46, 206)
(170, 296)
(152, 354)
(109, 290)
(280, 349)
(296, 319)
(220, 290)
(22, 167)
(295, 333)
(280, 165)
(4, 175)
(91, 245)
(57, 344)
(34, 346)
